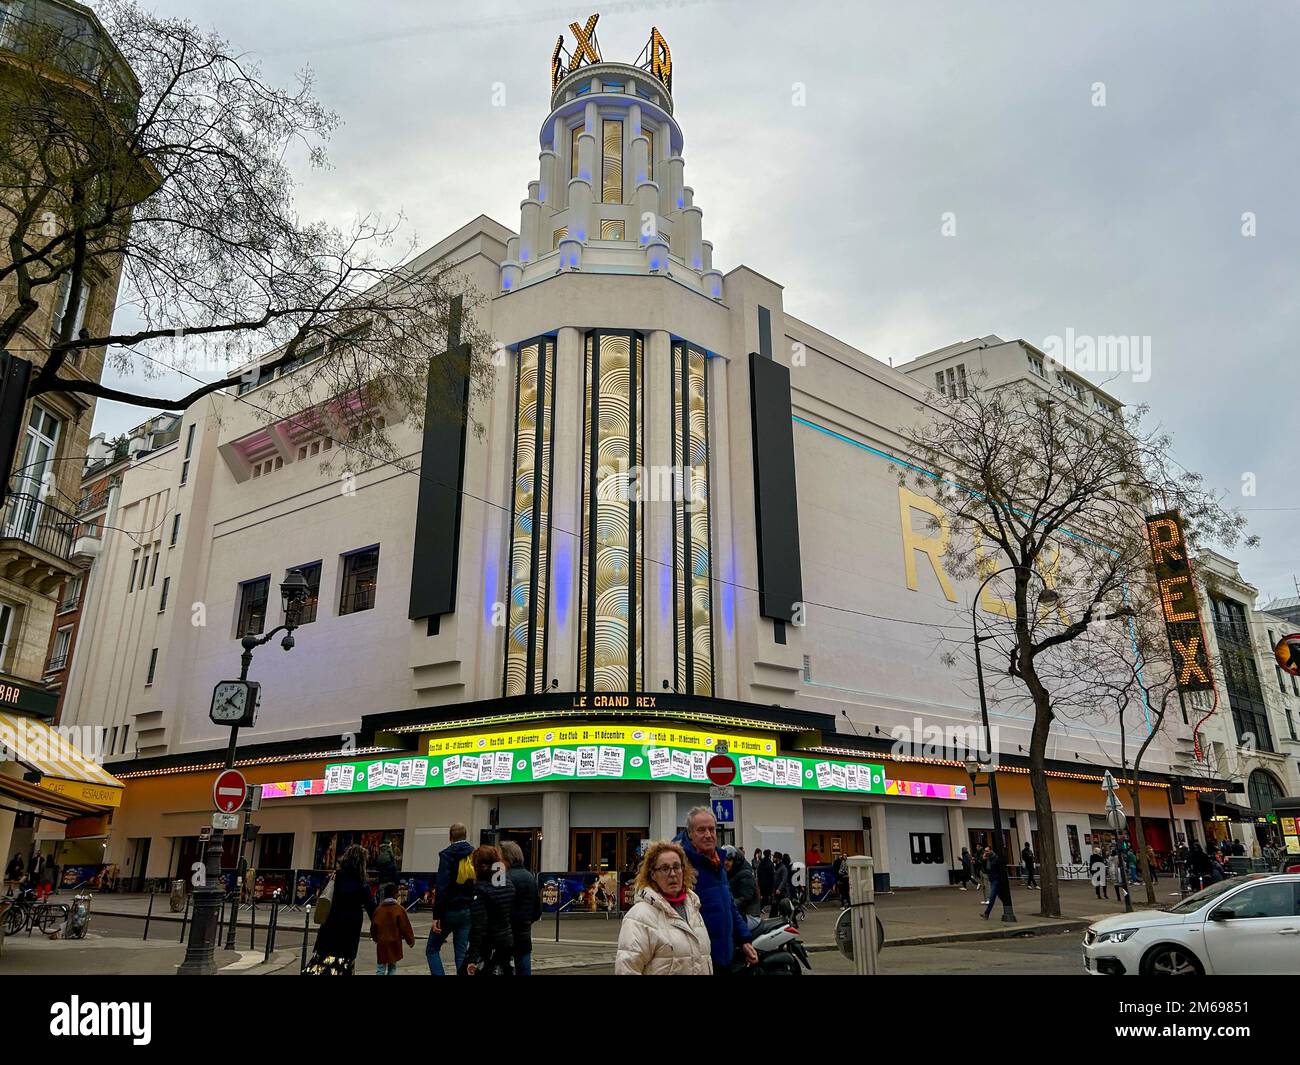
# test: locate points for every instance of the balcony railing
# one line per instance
(36, 522)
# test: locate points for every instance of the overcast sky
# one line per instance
(1122, 219)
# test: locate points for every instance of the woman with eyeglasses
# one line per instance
(663, 933)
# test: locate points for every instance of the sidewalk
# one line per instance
(916, 917)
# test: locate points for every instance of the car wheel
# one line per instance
(1171, 960)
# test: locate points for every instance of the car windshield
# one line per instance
(1196, 901)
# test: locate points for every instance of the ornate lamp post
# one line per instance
(200, 951)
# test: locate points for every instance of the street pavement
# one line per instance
(929, 930)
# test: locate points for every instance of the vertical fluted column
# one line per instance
(547, 167)
(530, 221)
(511, 273)
(711, 277)
(658, 613)
(692, 221)
(672, 186)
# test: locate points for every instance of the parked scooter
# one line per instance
(776, 940)
(79, 916)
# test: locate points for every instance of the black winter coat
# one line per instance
(340, 935)
(525, 910)
(491, 936)
(744, 888)
(766, 877)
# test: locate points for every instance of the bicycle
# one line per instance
(29, 912)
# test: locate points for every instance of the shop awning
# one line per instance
(62, 806)
(64, 769)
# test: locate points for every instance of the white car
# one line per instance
(1244, 925)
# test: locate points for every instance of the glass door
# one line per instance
(35, 472)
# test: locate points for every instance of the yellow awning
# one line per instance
(38, 746)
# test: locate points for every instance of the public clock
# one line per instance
(234, 702)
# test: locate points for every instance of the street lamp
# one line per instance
(200, 950)
(1047, 598)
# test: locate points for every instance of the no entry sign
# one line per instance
(228, 791)
(720, 770)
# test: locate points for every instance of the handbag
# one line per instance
(321, 911)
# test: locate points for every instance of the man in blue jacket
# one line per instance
(726, 927)
(450, 903)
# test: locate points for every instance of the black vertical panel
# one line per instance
(776, 506)
(765, 332)
(15, 373)
(442, 478)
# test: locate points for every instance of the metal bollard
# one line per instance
(234, 921)
(271, 926)
(306, 918)
(185, 916)
(252, 924)
(148, 914)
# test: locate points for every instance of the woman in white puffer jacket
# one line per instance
(663, 933)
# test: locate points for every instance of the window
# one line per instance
(1264, 790)
(111, 745)
(1264, 900)
(1290, 722)
(61, 307)
(135, 565)
(189, 448)
(144, 570)
(312, 574)
(71, 593)
(360, 570)
(252, 606)
(1281, 680)
(153, 576)
(650, 154)
(59, 655)
(611, 165)
(952, 381)
(1037, 368)
(162, 599)
(126, 732)
(176, 530)
(1071, 386)
(153, 666)
(35, 473)
(927, 848)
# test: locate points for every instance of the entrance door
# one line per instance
(832, 842)
(530, 842)
(605, 850)
(139, 863)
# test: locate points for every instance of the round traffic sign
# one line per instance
(228, 791)
(720, 770)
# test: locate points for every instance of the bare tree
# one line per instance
(1031, 483)
(169, 157)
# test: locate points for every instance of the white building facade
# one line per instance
(682, 526)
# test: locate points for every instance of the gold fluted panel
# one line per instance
(650, 155)
(530, 526)
(692, 556)
(611, 168)
(612, 591)
(574, 134)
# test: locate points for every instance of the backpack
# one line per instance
(465, 871)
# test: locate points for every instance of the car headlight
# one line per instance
(1119, 935)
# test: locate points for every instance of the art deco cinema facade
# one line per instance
(682, 526)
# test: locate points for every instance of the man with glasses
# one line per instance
(727, 929)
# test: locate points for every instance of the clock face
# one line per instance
(229, 700)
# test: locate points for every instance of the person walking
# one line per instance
(1027, 858)
(1113, 867)
(1151, 863)
(728, 931)
(491, 946)
(766, 875)
(982, 872)
(453, 891)
(390, 927)
(997, 870)
(335, 952)
(527, 907)
(1097, 872)
(965, 868)
(743, 883)
(780, 883)
(386, 863)
(841, 871)
(664, 933)
(14, 873)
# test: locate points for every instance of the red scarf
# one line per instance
(676, 900)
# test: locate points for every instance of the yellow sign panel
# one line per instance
(82, 791)
(600, 732)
